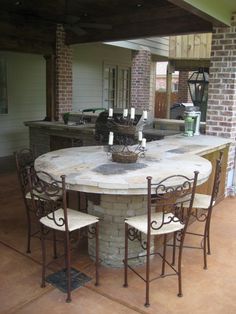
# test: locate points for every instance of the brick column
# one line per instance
(183, 86)
(221, 110)
(141, 80)
(63, 74)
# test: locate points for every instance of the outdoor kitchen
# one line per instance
(92, 128)
(117, 196)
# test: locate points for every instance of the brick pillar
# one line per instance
(183, 86)
(63, 74)
(141, 80)
(221, 110)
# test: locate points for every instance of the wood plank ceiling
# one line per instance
(29, 25)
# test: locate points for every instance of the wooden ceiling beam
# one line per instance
(150, 28)
(29, 36)
(28, 28)
(155, 12)
(26, 22)
(189, 64)
(28, 32)
(11, 43)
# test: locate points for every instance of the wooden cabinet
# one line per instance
(206, 188)
(59, 142)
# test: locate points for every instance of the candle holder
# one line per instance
(123, 133)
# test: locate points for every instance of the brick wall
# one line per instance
(63, 74)
(140, 79)
(183, 86)
(221, 111)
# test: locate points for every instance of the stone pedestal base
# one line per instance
(112, 210)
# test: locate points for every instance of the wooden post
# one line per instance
(50, 87)
(169, 71)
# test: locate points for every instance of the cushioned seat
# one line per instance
(171, 223)
(201, 201)
(76, 220)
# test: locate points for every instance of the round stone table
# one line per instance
(120, 189)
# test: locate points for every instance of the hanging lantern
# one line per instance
(198, 88)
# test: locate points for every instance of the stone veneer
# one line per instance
(221, 111)
(141, 79)
(63, 74)
(44, 138)
(112, 210)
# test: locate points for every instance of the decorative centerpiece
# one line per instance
(124, 130)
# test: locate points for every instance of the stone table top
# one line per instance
(89, 169)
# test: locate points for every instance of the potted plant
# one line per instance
(65, 117)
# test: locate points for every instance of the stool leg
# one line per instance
(43, 256)
(205, 245)
(68, 266)
(174, 249)
(164, 256)
(126, 257)
(54, 244)
(28, 233)
(147, 302)
(97, 255)
(180, 293)
(208, 234)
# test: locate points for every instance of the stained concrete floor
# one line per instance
(205, 291)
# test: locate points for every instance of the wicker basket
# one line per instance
(124, 157)
(124, 129)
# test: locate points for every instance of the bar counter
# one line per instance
(116, 190)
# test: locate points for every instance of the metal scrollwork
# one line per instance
(134, 234)
(91, 231)
(199, 216)
(179, 236)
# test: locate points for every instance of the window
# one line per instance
(116, 86)
(3, 86)
(109, 83)
(123, 87)
(175, 86)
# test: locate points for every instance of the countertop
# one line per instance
(58, 125)
(90, 169)
(194, 145)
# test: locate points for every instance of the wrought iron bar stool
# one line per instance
(165, 201)
(49, 196)
(202, 211)
(25, 158)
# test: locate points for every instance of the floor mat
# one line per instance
(58, 279)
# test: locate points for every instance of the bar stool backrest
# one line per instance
(24, 158)
(217, 180)
(48, 195)
(168, 197)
